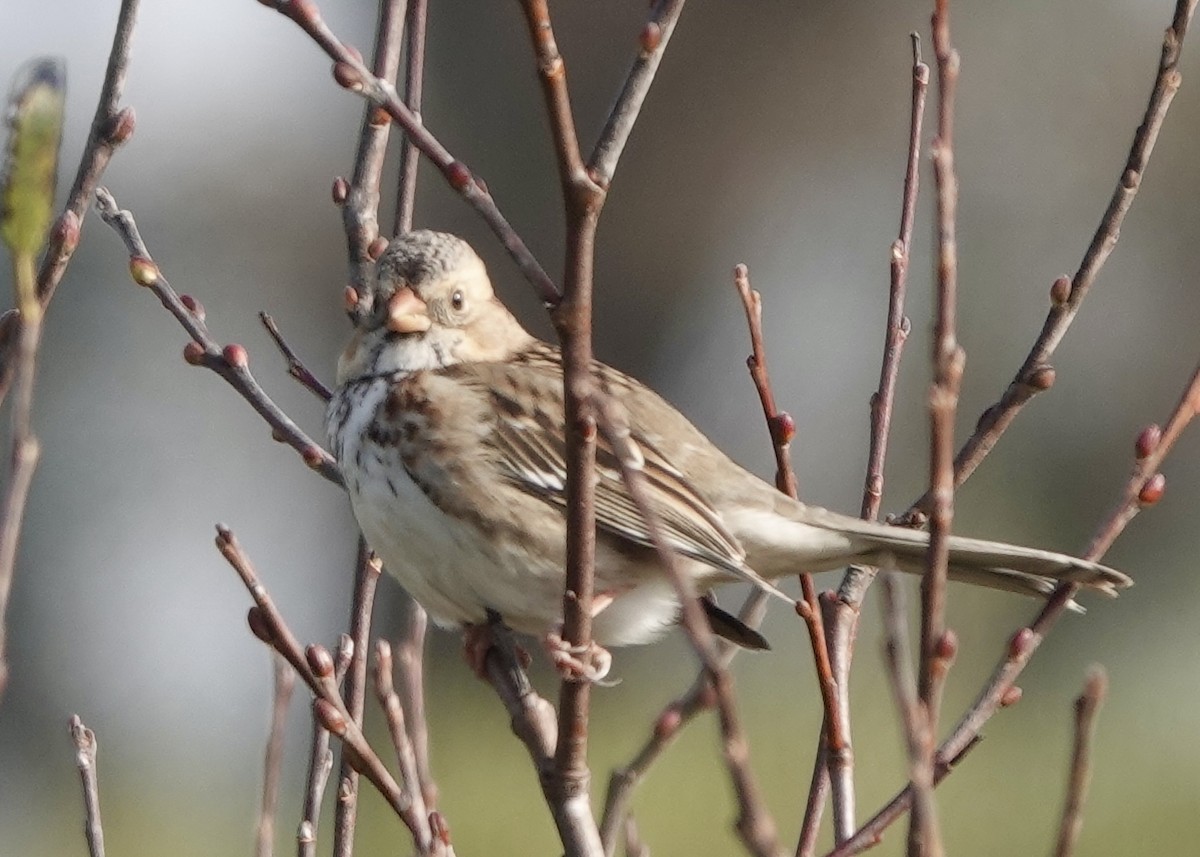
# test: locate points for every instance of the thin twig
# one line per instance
(352, 74)
(1144, 488)
(414, 80)
(653, 39)
(1087, 706)
(316, 668)
(1066, 295)
(295, 366)
(360, 203)
(85, 760)
(320, 763)
(230, 362)
(367, 568)
(284, 684)
(754, 824)
(924, 836)
(385, 692)
(409, 651)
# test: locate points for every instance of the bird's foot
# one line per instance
(590, 663)
(478, 640)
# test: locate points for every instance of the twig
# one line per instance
(285, 683)
(385, 692)
(85, 761)
(230, 362)
(409, 650)
(316, 668)
(360, 203)
(655, 35)
(295, 366)
(352, 74)
(924, 835)
(754, 824)
(354, 689)
(937, 644)
(320, 763)
(414, 79)
(1144, 488)
(1066, 295)
(1087, 706)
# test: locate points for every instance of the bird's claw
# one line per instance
(590, 663)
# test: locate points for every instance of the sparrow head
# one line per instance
(429, 305)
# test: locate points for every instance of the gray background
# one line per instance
(774, 136)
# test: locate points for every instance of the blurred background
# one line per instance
(775, 135)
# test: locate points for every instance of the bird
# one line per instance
(447, 424)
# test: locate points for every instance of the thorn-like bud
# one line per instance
(1020, 643)
(193, 354)
(380, 117)
(350, 298)
(459, 176)
(305, 834)
(439, 827)
(278, 436)
(143, 271)
(236, 356)
(193, 306)
(376, 247)
(650, 37)
(1041, 378)
(119, 126)
(1153, 490)
(259, 626)
(783, 428)
(1060, 291)
(1010, 697)
(1147, 441)
(347, 77)
(482, 185)
(354, 52)
(905, 325)
(319, 661)
(329, 717)
(668, 723)
(341, 190)
(65, 232)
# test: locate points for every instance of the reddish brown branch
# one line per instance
(414, 80)
(85, 760)
(230, 361)
(320, 763)
(1087, 706)
(295, 366)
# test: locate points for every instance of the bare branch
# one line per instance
(230, 362)
(284, 683)
(1066, 296)
(1087, 706)
(295, 366)
(409, 650)
(320, 763)
(85, 761)
(414, 79)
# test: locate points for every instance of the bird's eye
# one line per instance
(458, 301)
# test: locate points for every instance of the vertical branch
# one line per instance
(1087, 706)
(414, 80)
(284, 683)
(367, 569)
(85, 760)
(409, 652)
(320, 763)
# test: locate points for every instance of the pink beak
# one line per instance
(407, 313)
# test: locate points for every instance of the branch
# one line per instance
(1144, 488)
(231, 361)
(295, 366)
(285, 683)
(350, 73)
(320, 763)
(410, 663)
(414, 79)
(1087, 706)
(406, 759)
(754, 823)
(85, 761)
(1066, 295)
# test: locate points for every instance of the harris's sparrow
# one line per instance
(447, 424)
